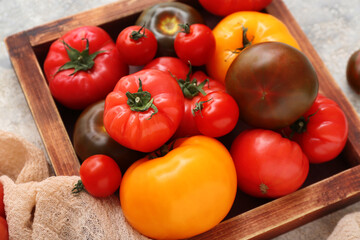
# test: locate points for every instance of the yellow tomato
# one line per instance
(182, 194)
(258, 27)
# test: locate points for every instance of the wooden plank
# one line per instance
(42, 106)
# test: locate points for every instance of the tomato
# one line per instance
(230, 6)
(216, 114)
(273, 83)
(163, 20)
(194, 87)
(268, 165)
(4, 232)
(184, 193)
(144, 110)
(100, 176)
(195, 44)
(323, 130)
(240, 30)
(83, 66)
(2, 206)
(90, 138)
(353, 71)
(173, 65)
(136, 45)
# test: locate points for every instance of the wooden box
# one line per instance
(329, 186)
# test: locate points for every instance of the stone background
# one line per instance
(332, 26)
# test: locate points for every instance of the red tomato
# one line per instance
(227, 7)
(268, 165)
(137, 45)
(323, 130)
(173, 65)
(2, 206)
(195, 44)
(83, 66)
(216, 114)
(4, 233)
(144, 110)
(100, 175)
(193, 89)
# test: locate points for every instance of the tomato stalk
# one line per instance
(136, 35)
(190, 88)
(185, 28)
(199, 106)
(79, 61)
(162, 151)
(245, 43)
(79, 187)
(141, 101)
(299, 126)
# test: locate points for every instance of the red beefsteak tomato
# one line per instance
(83, 66)
(144, 110)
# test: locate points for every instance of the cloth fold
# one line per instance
(40, 206)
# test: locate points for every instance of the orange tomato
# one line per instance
(184, 193)
(258, 27)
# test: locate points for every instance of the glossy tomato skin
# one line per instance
(195, 44)
(80, 89)
(230, 6)
(184, 193)
(325, 130)
(188, 125)
(273, 83)
(146, 130)
(90, 138)
(230, 41)
(4, 232)
(268, 165)
(353, 71)
(136, 49)
(163, 20)
(100, 175)
(218, 116)
(172, 65)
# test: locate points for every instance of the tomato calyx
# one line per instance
(300, 125)
(78, 188)
(162, 151)
(245, 43)
(141, 101)
(185, 28)
(79, 61)
(199, 106)
(263, 188)
(136, 35)
(190, 88)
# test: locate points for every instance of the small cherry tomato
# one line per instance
(137, 45)
(100, 176)
(4, 232)
(323, 130)
(353, 71)
(267, 164)
(216, 114)
(196, 43)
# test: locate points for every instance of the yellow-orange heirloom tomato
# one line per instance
(259, 27)
(182, 194)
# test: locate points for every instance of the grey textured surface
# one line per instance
(332, 26)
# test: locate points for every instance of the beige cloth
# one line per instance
(348, 228)
(39, 206)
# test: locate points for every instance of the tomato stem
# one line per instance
(245, 43)
(185, 28)
(162, 151)
(136, 35)
(263, 188)
(79, 187)
(300, 125)
(190, 88)
(79, 61)
(199, 106)
(141, 101)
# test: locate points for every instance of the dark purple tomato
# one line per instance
(353, 71)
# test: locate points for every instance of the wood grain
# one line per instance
(27, 51)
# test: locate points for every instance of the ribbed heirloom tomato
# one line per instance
(144, 110)
(240, 30)
(83, 66)
(181, 194)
